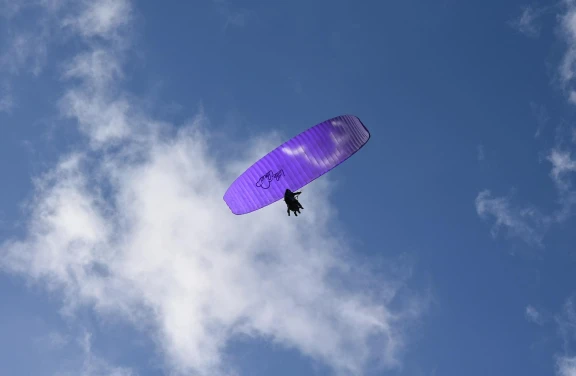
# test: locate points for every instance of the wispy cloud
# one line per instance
(53, 341)
(480, 153)
(25, 51)
(568, 65)
(541, 116)
(527, 22)
(91, 363)
(26, 44)
(566, 366)
(566, 363)
(533, 315)
(526, 223)
(233, 16)
(562, 164)
(95, 365)
(563, 169)
(141, 231)
(6, 99)
(105, 19)
(74, 355)
(567, 318)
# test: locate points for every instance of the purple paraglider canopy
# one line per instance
(296, 163)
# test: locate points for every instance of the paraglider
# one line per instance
(295, 163)
(291, 200)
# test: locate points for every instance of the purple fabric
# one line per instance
(296, 163)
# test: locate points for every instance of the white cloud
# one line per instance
(103, 18)
(525, 223)
(161, 248)
(97, 69)
(141, 231)
(102, 112)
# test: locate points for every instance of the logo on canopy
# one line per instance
(266, 179)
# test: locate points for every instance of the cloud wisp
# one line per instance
(566, 366)
(232, 17)
(525, 223)
(527, 22)
(528, 223)
(534, 315)
(90, 363)
(566, 321)
(480, 153)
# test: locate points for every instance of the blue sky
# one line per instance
(445, 247)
